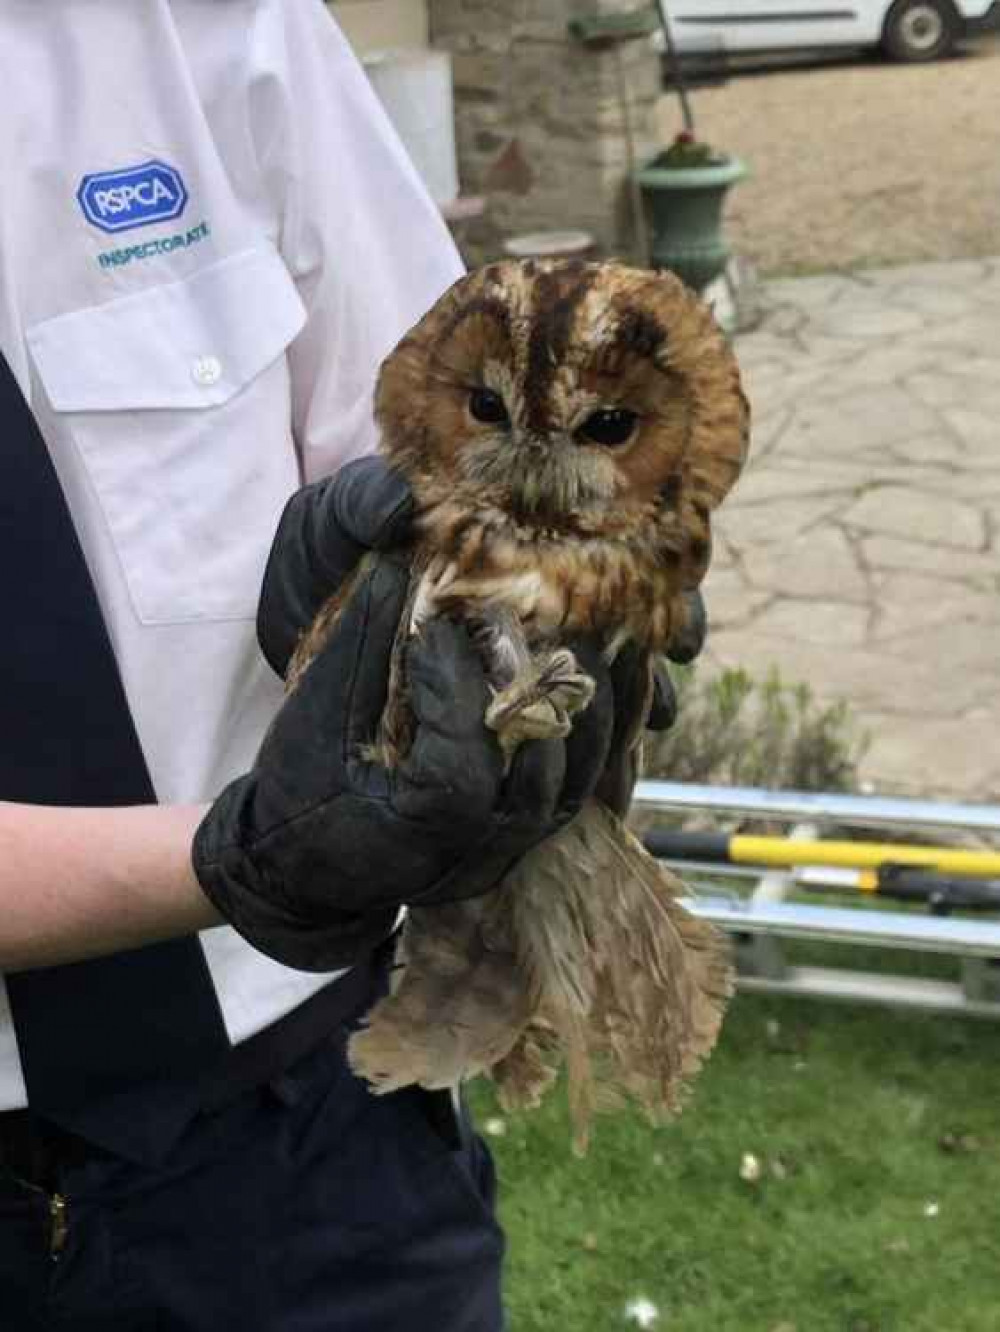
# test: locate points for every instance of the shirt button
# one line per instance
(206, 370)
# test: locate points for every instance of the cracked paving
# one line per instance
(860, 551)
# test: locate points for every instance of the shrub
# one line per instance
(734, 731)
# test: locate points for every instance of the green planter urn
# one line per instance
(684, 208)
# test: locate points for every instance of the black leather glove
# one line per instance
(324, 532)
(683, 648)
(310, 854)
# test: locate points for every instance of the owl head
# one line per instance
(563, 400)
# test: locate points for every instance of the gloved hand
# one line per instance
(324, 532)
(683, 648)
(310, 854)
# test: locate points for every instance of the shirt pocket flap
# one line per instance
(187, 344)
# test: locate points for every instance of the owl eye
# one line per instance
(610, 426)
(488, 407)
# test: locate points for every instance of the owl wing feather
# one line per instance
(631, 987)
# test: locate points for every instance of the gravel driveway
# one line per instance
(860, 162)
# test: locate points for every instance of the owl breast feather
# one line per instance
(622, 588)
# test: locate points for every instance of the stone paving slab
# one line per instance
(860, 551)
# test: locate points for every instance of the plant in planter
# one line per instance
(684, 188)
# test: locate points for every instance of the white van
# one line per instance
(904, 29)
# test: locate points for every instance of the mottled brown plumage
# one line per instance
(567, 429)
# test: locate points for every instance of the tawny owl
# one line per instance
(567, 429)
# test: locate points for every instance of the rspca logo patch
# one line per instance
(134, 196)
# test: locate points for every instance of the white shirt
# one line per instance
(209, 239)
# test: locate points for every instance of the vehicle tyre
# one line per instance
(919, 30)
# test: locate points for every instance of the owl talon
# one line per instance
(540, 703)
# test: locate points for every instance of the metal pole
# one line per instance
(673, 60)
(789, 852)
(856, 811)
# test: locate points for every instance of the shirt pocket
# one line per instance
(177, 399)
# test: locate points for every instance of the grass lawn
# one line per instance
(863, 1121)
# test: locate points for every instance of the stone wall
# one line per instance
(541, 118)
(373, 25)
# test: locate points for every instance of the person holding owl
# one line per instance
(201, 267)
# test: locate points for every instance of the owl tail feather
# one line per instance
(459, 999)
(631, 986)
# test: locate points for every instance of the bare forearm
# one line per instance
(77, 883)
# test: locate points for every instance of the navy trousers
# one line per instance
(306, 1205)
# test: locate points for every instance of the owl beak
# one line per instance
(529, 441)
(548, 443)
